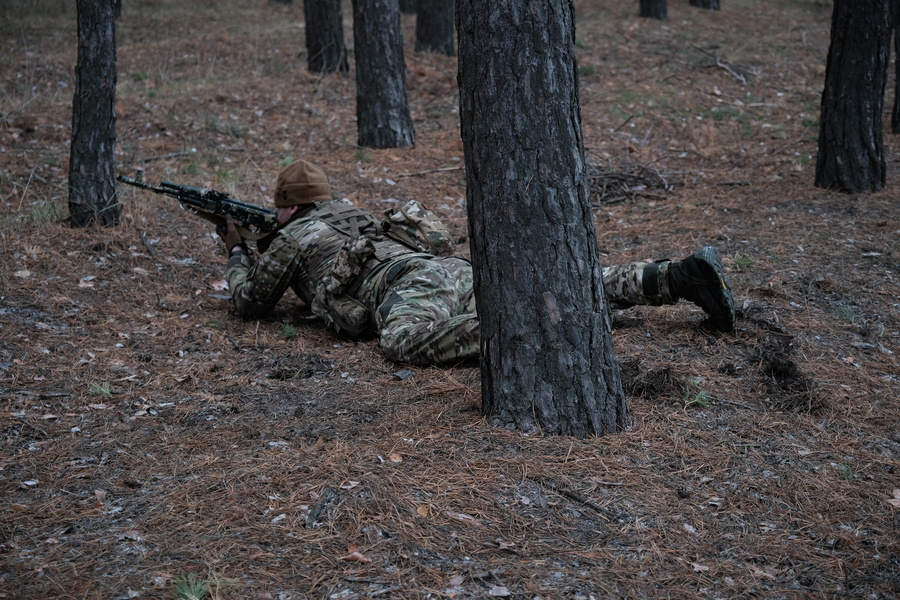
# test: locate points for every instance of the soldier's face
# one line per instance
(285, 213)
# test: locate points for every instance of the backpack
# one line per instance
(416, 226)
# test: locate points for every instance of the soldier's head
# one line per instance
(301, 183)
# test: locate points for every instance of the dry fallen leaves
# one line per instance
(354, 555)
(462, 517)
(895, 501)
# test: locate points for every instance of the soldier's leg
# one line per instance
(699, 278)
(638, 283)
(420, 321)
(461, 272)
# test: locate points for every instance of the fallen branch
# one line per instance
(429, 171)
(146, 244)
(727, 66)
(609, 187)
(554, 487)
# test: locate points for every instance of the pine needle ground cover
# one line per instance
(153, 445)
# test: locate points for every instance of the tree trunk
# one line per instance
(434, 27)
(851, 148)
(710, 4)
(547, 360)
(895, 113)
(325, 48)
(654, 9)
(408, 7)
(92, 178)
(382, 109)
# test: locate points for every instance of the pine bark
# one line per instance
(93, 195)
(895, 112)
(325, 48)
(547, 360)
(382, 108)
(654, 9)
(851, 144)
(434, 27)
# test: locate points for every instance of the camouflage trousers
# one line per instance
(428, 316)
(625, 284)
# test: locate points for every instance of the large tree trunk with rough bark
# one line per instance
(408, 7)
(434, 27)
(382, 108)
(654, 9)
(325, 48)
(547, 360)
(93, 194)
(851, 147)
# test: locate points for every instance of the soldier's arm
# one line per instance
(256, 286)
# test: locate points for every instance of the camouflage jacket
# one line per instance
(302, 256)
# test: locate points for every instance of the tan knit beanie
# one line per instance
(301, 183)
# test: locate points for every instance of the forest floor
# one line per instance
(150, 440)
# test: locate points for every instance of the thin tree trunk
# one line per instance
(654, 9)
(325, 48)
(895, 113)
(851, 147)
(434, 27)
(382, 108)
(92, 179)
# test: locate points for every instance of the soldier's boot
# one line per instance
(700, 278)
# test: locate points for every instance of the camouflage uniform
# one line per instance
(637, 283)
(422, 306)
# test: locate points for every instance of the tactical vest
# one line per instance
(351, 222)
(363, 251)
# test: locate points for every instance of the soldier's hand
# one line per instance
(230, 235)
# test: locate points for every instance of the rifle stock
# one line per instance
(253, 222)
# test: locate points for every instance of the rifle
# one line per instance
(253, 222)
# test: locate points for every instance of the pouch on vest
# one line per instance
(342, 314)
(340, 311)
(416, 226)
